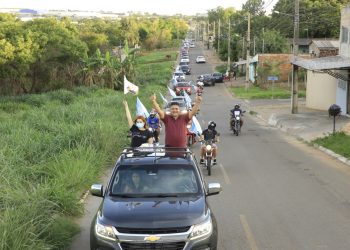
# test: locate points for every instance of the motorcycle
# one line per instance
(236, 121)
(208, 163)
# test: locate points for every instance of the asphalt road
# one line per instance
(278, 193)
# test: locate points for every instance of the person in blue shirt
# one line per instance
(153, 122)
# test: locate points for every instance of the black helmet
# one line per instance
(211, 125)
(237, 106)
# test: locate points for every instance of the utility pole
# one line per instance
(254, 47)
(294, 96)
(219, 36)
(229, 46)
(248, 54)
(208, 35)
(214, 31)
(263, 41)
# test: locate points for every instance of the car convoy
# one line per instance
(156, 197)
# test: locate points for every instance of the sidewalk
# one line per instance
(307, 125)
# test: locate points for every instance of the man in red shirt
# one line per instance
(176, 123)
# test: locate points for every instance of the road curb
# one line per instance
(333, 154)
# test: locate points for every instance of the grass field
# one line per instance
(53, 147)
(259, 93)
(338, 143)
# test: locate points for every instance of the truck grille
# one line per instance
(153, 246)
(173, 230)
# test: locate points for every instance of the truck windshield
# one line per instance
(155, 181)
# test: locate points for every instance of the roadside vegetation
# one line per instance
(256, 92)
(338, 143)
(54, 145)
(47, 54)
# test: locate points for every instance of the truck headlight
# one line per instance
(202, 229)
(105, 232)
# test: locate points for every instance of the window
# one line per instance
(144, 180)
(344, 34)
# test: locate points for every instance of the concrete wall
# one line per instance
(345, 22)
(320, 90)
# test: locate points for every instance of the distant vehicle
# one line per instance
(219, 77)
(186, 69)
(200, 59)
(185, 60)
(183, 63)
(183, 86)
(207, 80)
(192, 45)
(179, 74)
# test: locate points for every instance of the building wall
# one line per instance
(341, 96)
(345, 22)
(320, 90)
(285, 66)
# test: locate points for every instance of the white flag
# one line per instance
(164, 100)
(188, 100)
(172, 93)
(196, 127)
(130, 87)
(140, 109)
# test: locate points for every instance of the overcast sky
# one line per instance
(186, 7)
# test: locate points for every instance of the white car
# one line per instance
(200, 59)
(179, 74)
(187, 60)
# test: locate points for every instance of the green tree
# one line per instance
(254, 7)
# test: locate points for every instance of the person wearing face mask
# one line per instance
(138, 129)
(153, 122)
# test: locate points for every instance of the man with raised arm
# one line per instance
(176, 123)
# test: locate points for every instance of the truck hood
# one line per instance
(153, 212)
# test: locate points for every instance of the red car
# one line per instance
(183, 86)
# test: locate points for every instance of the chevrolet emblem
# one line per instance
(152, 238)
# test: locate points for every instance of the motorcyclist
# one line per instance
(153, 122)
(209, 134)
(199, 87)
(232, 111)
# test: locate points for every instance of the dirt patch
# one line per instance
(346, 129)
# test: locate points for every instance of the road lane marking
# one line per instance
(224, 173)
(248, 232)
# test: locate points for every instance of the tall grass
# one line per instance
(53, 146)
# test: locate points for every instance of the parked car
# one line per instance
(219, 77)
(154, 200)
(183, 86)
(200, 59)
(186, 69)
(207, 80)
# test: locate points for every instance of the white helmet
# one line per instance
(200, 83)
